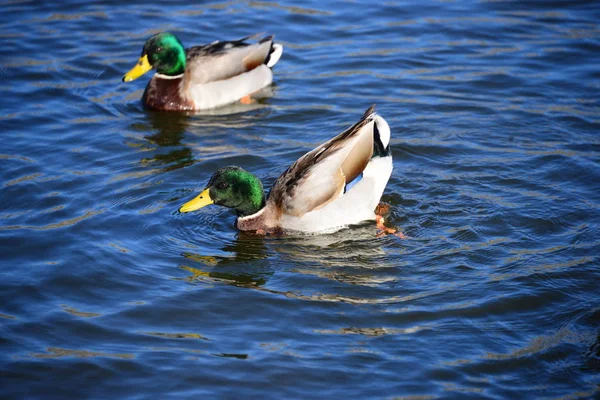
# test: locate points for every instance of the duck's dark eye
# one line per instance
(223, 185)
(158, 49)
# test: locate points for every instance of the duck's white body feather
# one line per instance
(219, 93)
(356, 205)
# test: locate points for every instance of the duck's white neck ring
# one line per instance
(256, 214)
(162, 76)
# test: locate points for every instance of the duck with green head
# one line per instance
(337, 184)
(203, 77)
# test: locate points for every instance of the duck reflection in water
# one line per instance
(349, 259)
(354, 258)
(169, 129)
(247, 266)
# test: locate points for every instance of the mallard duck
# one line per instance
(204, 77)
(337, 184)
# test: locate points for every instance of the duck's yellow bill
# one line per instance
(202, 200)
(140, 69)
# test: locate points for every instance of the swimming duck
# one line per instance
(204, 77)
(337, 184)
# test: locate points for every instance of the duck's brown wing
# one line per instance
(222, 60)
(320, 176)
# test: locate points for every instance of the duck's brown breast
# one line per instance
(165, 94)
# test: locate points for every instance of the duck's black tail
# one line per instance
(274, 53)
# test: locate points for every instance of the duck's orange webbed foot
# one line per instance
(247, 100)
(383, 230)
(382, 209)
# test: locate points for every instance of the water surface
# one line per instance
(107, 292)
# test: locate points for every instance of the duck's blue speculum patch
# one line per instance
(353, 182)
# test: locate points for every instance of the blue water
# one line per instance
(107, 292)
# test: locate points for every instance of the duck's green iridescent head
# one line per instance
(163, 52)
(231, 187)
